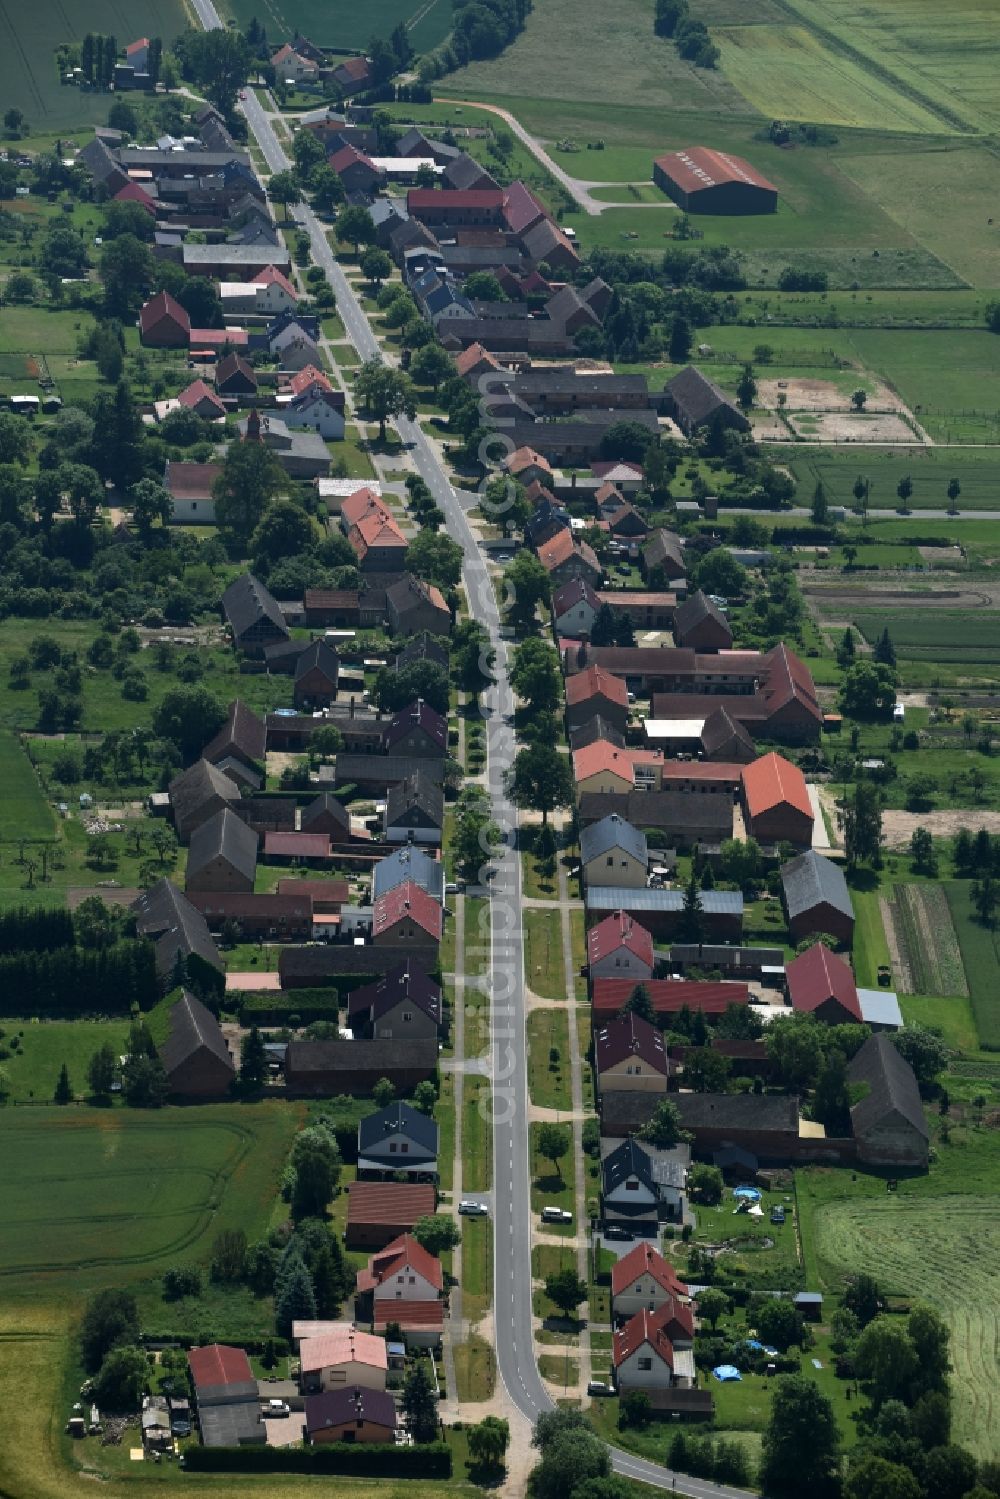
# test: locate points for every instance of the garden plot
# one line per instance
(923, 941)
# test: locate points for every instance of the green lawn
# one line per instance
(477, 1134)
(870, 947)
(551, 1187)
(24, 812)
(980, 959)
(477, 1267)
(43, 1046)
(549, 1082)
(543, 953)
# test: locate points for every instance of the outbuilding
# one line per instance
(702, 180)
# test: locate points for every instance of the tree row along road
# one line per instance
(511, 1171)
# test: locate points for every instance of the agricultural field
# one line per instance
(29, 34)
(346, 27)
(936, 635)
(981, 958)
(927, 959)
(931, 470)
(24, 813)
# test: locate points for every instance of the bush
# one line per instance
(432, 1461)
(180, 1283)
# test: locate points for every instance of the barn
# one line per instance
(701, 180)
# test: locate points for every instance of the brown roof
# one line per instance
(389, 1203)
(645, 1260)
(619, 1038)
(191, 481)
(668, 996)
(698, 167)
(772, 781)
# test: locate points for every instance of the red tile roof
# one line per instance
(408, 1314)
(197, 392)
(645, 1327)
(136, 46)
(133, 193)
(391, 1260)
(432, 197)
(602, 758)
(363, 501)
(357, 68)
(375, 529)
(217, 338)
(645, 1260)
(389, 1203)
(297, 845)
(327, 892)
(818, 975)
(408, 900)
(308, 377)
(630, 1036)
(700, 167)
(348, 156)
(271, 276)
(593, 682)
(524, 458)
(557, 550)
(619, 930)
(472, 356)
(218, 1365)
(772, 781)
(668, 996)
(163, 307)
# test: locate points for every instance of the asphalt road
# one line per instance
(511, 1195)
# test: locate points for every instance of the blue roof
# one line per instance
(409, 863)
(726, 1372)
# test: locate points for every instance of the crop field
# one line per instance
(934, 636)
(24, 812)
(944, 1250)
(96, 1193)
(930, 469)
(346, 26)
(791, 72)
(930, 961)
(981, 958)
(29, 34)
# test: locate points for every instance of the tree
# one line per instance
(110, 1320)
(705, 1070)
(383, 1092)
(430, 366)
(904, 490)
(692, 924)
(488, 1442)
(64, 1088)
(102, 1070)
(420, 679)
(985, 897)
(926, 1053)
(858, 398)
(483, 286)
(295, 1300)
(437, 1232)
(681, 339)
(476, 836)
(565, 1289)
(326, 186)
(126, 272)
(801, 1446)
(820, 508)
(526, 585)
(884, 651)
(719, 572)
(795, 1045)
(21, 286)
(885, 1361)
(535, 675)
(384, 392)
(15, 439)
(570, 1459)
(705, 1184)
(253, 1061)
(425, 1097)
(868, 691)
(419, 1401)
(846, 648)
(14, 121)
(778, 1322)
(307, 153)
(219, 60)
(150, 503)
(188, 717)
(626, 441)
(229, 1252)
(954, 487)
(284, 530)
(122, 1380)
(863, 826)
(376, 266)
(746, 390)
(741, 861)
(712, 1304)
(435, 558)
(315, 1178)
(472, 657)
(872, 1477)
(664, 1128)
(251, 478)
(639, 1003)
(635, 1409)
(831, 1100)
(863, 1298)
(144, 1083)
(541, 780)
(553, 1143)
(930, 1336)
(356, 227)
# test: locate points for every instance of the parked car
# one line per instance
(777, 1214)
(556, 1215)
(617, 1231)
(277, 1408)
(598, 1387)
(472, 1209)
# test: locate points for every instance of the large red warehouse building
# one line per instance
(701, 180)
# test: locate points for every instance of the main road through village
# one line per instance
(511, 1172)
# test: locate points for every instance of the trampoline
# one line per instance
(726, 1373)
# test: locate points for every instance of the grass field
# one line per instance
(24, 812)
(931, 470)
(543, 954)
(93, 1193)
(341, 26)
(34, 1067)
(28, 37)
(548, 1082)
(981, 958)
(477, 1141)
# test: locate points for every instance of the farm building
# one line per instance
(195, 1055)
(379, 1212)
(888, 1122)
(693, 401)
(821, 984)
(701, 180)
(222, 856)
(817, 898)
(329, 1068)
(776, 801)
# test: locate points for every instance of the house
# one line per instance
(163, 323)
(378, 544)
(379, 1212)
(316, 673)
(574, 608)
(635, 1188)
(302, 453)
(352, 75)
(406, 914)
(415, 605)
(662, 910)
(630, 1053)
(613, 852)
(357, 172)
(345, 963)
(195, 1056)
(776, 801)
(293, 68)
(547, 518)
(409, 863)
(602, 767)
(253, 616)
(820, 983)
(351, 1414)
(417, 730)
(619, 947)
(325, 814)
(700, 624)
(694, 401)
(191, 487)
(398, 1138)
(319, 411)
(643, 1280)
(526, 465)
(683, 817)
(238, 748)
(345, 1357)
(222, 856)
(414, 809)
(644, 1355)
(234, 376)
(723, 738)
(283, 917)
(360, 502)
(593, 730)
(325, 1069)
(403, 1003)
(179, 934)
(226, 1396)
(888, 1122)
(202, 400)
(564, 558)
(816, 898)
(667, 996)
(662, 554)
(197, 794)
(137, 55)
(594, 691)
(274, 292)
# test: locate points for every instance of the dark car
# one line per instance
(777, 1214)
(617, 1231)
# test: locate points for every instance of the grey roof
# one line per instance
(423, 647)
(404, 983)
(766, 1112)
(193, 1028)
(880, 1007)
(99, 160)
(233, 1425)
(320, 963)
(566, 381)
(661, 546)
(418, 715)
(252, 256)
(246, 601)
(224, 836)
(612, 832)
(409, 592)
(671, 810)
(398, 1118)
(195, 160)
(628, 1160)
(318, 656)
(416, 793)
(173, 924)
(465, 172)
(594, 729)
(325, 805)
(200, 783)
(383, 770)
(699, 398)
(244, 734)
(892, 1087)
(408, 863)
(348, 1057)
(345, 1407)
(621, 898)
(720, 730)
(694, 610)
(811, 880)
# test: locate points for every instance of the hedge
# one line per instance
(370, 1461)
(270, 1008)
